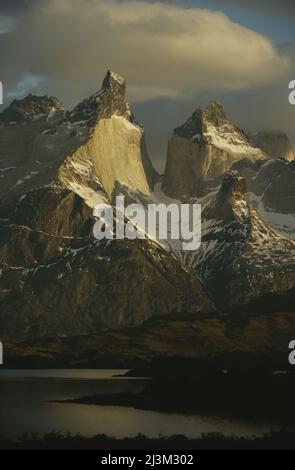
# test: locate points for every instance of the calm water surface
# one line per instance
(24, 408)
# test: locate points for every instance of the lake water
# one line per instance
(25, 408)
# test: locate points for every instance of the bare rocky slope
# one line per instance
(55, 278)
(56, 165)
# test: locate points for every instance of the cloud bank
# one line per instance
(162, 50)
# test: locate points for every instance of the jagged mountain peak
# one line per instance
(230, 206)
(30, 108)
(234, 203)
(110, 100)
(113, 80)
(215, 105)
(114, 145)
(197, 123)
(202, 149)
(215, 113)
(233, 184)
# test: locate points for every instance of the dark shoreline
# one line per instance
(283, 440)
(268, 401)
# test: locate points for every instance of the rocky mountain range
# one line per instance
(57, 165)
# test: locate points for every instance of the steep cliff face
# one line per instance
(202, 149)
(241, 258)
(275, 144)
(115, 148)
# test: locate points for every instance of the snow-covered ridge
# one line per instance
(228, 139)
(284, 224)
(77, 174)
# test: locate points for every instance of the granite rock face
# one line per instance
(202, 150)
(114, 148)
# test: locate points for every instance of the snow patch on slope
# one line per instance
(228, 139)
(284, 224)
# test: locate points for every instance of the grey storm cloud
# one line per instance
(162, 50)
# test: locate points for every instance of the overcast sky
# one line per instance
(175, 56)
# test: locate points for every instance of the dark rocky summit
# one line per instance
(28, 109)
(105, 103)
